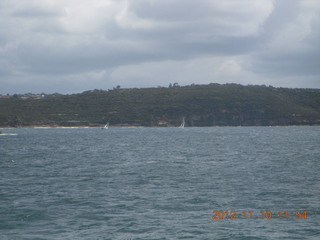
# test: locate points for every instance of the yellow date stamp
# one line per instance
(264, 214)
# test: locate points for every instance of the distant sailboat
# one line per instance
(106, 126)
(182, 124)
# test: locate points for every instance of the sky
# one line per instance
(70, 46)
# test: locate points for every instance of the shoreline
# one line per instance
(131, 126)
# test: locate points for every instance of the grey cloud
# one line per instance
(284, 12)
(172, 11)
(90, 57)
(69, 60)
(184, 30)
(186, 38)
(36, 13)
(39, 42)
(312, 39)
(287, 64)
(293, 57)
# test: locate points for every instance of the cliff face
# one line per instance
(200, 105)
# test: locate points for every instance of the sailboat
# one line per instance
(182, 124)
(106, 126)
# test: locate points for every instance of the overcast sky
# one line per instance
(69, 46)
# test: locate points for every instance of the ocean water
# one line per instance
(160, 183)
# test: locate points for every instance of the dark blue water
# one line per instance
(159, 183)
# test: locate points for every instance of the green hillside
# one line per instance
(200, 105)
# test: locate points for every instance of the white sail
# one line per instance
(106, 126)
(182, 124)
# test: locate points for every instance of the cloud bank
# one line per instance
(71, 46)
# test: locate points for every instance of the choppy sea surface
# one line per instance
(160, 183)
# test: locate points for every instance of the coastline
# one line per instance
(134, 126)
